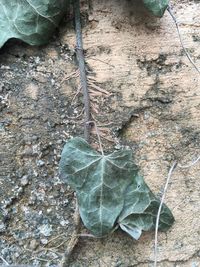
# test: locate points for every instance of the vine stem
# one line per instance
(73, 241)
(159, 212)
(174, 165)
(81, 62)
(87, 123)
(189, 165)
(4, 261)
(180, 38)
(98, 136)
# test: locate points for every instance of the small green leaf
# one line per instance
(32, 21)
(157, 7)
(99, 181)
(110, 191)
(140, 210)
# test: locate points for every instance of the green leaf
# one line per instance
(157, 7)
(140, 210)
(99, 181)
(110, 191)
(32, 21)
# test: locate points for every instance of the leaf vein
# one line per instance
(43, 16)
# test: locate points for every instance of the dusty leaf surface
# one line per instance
(141, 209)
(110, 191)
(100, 182)
(32, 21)
(157, 7)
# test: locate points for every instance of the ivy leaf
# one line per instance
(110, 191)
(157, 7)
(100, 182)
(140, 210)
(32, 21)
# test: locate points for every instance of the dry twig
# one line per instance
(74, 74)
(189, 165)
(162, 201)
(81, 61)
(83, 78)
(73, 241)
(4, 261)
(181, 41)
(159, 212)
(98, 136)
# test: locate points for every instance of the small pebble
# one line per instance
(24, 181)
(64, 222)
(2, 227)
(44, 241)
(40, 163)
(33, 244)
(45, 229)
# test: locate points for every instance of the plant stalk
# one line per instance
(181, 41)
(81, 62)
(87, 122)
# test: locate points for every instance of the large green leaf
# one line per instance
(157, 7)
(100, 182)
(32, 21)
(110, 191)
(140, 210)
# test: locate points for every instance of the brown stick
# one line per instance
(81, 61)
(73, 241)
(87, 127)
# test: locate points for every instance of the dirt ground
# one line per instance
(145, 94)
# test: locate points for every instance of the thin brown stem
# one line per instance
(87, 127)
(81, 62)
(98, 136)
(73, 241)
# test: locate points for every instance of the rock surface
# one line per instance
(145, 94)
